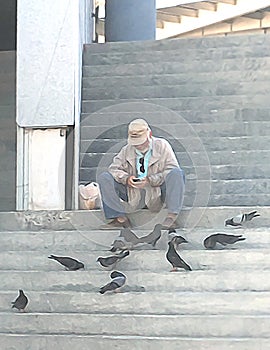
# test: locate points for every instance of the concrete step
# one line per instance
(218, 172)
(228, 199)
(175, 54)
(82, 221)
(247, 255)
(84, 241)
(206, 103)
(194, 326)
(256, 128)
(230, 42)
(239, 157)
(161, 303)
(211, 144)
(168, 67)
(171, 90)
(148, 282)
(157, 116)
(197, 280)
(179, 78)
(255, 76)
(228, 187)
(73, 342)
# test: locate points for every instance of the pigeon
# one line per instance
(176, 239)
(241, 218)
(69, 263)
(129, 236)
(21, 301)
(118, 280)
(153, 236)
(175, 260)
(111, 261)
(222, 238)
(120, 244)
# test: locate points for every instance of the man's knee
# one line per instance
(176, 174)
(104, 177)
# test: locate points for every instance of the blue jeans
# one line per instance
(172, 193)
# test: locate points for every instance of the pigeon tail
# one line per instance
(241, 238)
(123, 254)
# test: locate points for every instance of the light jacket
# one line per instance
(161, 161)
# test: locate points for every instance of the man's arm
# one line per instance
(120, 168)
(168, 161)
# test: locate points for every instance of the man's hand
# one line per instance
(137, 184)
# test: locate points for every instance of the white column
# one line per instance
(50, 38)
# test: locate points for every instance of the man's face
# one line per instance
(144, 146)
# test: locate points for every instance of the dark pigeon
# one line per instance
(221, 238)
(129, 236)
(239, 220)
(176, 239)
(175, 260)
(69, 263)
(153, 236)
(118, 280)
(111, 261)
(21, 301)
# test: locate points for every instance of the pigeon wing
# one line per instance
(108, 287)
(251, 215)
(129, 236)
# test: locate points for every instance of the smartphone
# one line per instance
(136, 179)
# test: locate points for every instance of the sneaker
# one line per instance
(115, 224)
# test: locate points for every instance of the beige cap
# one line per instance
(138, 131)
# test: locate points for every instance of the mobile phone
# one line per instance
(136, 179)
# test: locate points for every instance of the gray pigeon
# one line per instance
(120, 244)
(129, 236)
(240, 219)
(111, 261)
(69, 263)
(21, 301)
(118, 280)
(221, 238)
(153, 236)
(175, 260)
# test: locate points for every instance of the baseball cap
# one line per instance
(138, 131)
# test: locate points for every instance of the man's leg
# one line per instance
(172, 193)
(111, 193)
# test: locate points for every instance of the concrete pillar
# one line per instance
(130, 20)
(50, 38)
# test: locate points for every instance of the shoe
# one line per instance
(170, 222)
(115, 224)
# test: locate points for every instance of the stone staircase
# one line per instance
(209, 97)
(222, 304)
